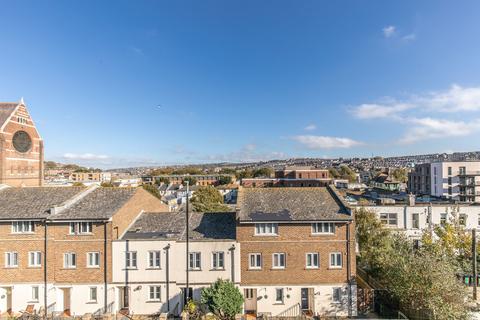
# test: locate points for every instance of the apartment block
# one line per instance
(56, 246)
(297, 252)
(455, 180)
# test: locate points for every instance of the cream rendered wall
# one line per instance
(323, 299)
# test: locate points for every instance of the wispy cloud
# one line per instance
(455, 99)
(247, 153)
(409, 37)
(310, 127)
(415, 112)
(389, 31)
(324, 142)
(136, 50)
(85, 156)
(428, 128)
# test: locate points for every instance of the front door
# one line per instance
(124, 298)
(66, 301)
(250, 300)
(187, 297)
(9, 300)
(304, 299)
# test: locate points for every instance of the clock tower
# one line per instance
(21, 147)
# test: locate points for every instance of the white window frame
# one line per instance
(81, 228)
(131, 260)
(276, 260)
(90, 295)
(34, 259)
(154, 293)
(266, 229)
(326, 228)
(216, 265)
(418, 221)
(23, 226)
(282, 300)
(340, 293)
(11, 259)
(312, 260)
(256, 266)
(154, 259)
(195, 261)
(333, 261)
(387, 221)
(68, 259)
(35, 294)
(90, 256)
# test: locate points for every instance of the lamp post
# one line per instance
(187, 244)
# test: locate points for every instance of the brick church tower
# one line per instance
(21, 147)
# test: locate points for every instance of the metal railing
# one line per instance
(293, 311)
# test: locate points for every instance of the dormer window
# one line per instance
(80, 228)
(23, 227)
(266, 229)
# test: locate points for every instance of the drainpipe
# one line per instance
(349, 280)
(167, 274)
(232, 259)
(105, 303)
(45, 291)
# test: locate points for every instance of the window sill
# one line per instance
(217, 269)
(153, 268)
(10, 267)
(81, 234)
(33, 301)
(278, 269)
(194, 269)
(72, 268)
(254, 269)
(265, 235)
(129, 269)
(34, 267)
(91, 302)
(323, 234)
(312, 268)
(279, 303)
(153, 301)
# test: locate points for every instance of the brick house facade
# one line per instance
(79, 223)
(297, 252)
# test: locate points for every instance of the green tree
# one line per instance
(208, 199)
(152, 189)
(107, 185)
(400, 175)
(223, 298)
(161, 180)
(78, 184)
(347, 173)
(50, 164)
(422, 279)
(333, 173)
(228, 171)
(263, 172)
(223, 180)
(191, 181)
(245, 173)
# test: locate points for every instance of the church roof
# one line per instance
(6, 109)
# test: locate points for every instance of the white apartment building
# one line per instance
(149, 261)
(413, 218)
(456, 180)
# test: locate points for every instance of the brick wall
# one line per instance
(295, 240)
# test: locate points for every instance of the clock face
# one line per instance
(22, 141)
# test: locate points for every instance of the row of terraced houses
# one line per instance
(77, 250)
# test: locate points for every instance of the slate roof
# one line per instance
(290, 204)
(171, 225)
(102, 203)
(6, 109)
(34, 202)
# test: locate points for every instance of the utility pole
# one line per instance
(186, 245)
(474, 262)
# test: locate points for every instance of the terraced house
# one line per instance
(297, 252)
(56, 245)
(150, 260)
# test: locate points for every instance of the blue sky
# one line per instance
(125, 83)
